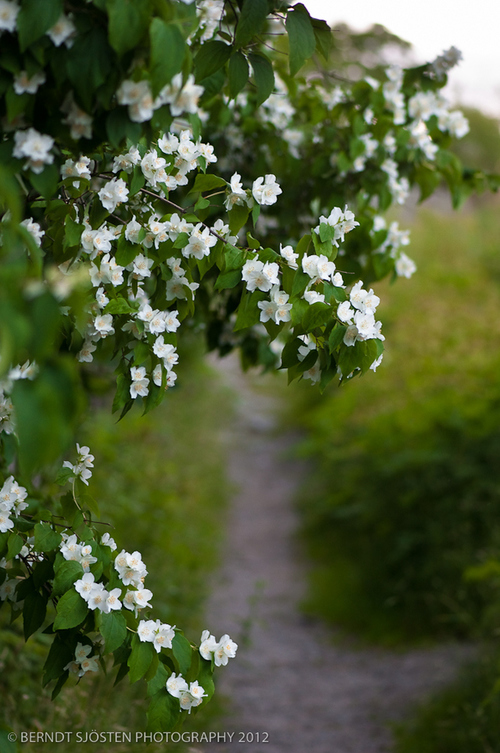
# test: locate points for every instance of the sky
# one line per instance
(433, 26)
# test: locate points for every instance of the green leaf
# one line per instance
(128, 22)
(238, 72)
(208, 182)
(140, 658)
(114, 630)
(119, 127)
(323, 36)
(46, 539)
(227, 280)
(289, 355)
(251, 21)
(163, 713)
(67, 573)
(73, 232)
(119, 305)
(317, 314)
(138, 180)
(89, 62)
(59, 685)
(35, 607)
(126, 253)
(336, 336)
(46, 182)
(210, 58)
(71, 611)
(60, 654)
(159, 680)
(182, 652)
(167, 53)
(16, 543)
(263, 75)
(35, 18)
(302, 42)
(237, 215)
(248, 312)
(205, 677)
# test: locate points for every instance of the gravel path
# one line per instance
(291, 688)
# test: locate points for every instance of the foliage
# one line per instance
(404, 495)
(164, 472)
(464, 718)
(117, 231)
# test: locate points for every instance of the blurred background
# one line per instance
(407, 550)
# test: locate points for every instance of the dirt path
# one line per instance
(291, 688)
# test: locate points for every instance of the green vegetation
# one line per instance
(162, 479)
(404, 497)
(462, 719)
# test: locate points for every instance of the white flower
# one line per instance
(35, 230)
(62, 31)
(8, 587)
(377, 362)
(5, 522)
(208, 644)
(350, 335)
(24, 84)
(35, 146)
(259, 275)
(236, 194)
(141, 267)
(112, 599)
(103, 325)
(163, 637)
(89, 665)
(226, 649)
(113, 193)
(8, 15)
(132, 230)
(146, 630)
(106, 540)
(290, 256)
(85, 354)
(176, 685)
(85, 585)
(405, 266)
(266, 190)
(127, 161)
(344, 312)
(137, 95)
(311, 296)
(81, 652)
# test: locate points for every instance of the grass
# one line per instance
(405, 491)
(160, 481)
(465, 718)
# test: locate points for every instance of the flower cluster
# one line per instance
(359, 313)
(221, 651)
(81, 553)
(189, 695)
(12, 502)
(83, 663)
(158, 633)
(81, 468)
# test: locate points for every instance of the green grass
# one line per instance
(160, 481)
(464, 718)
(404, 494)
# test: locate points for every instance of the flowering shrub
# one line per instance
(122, 226)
